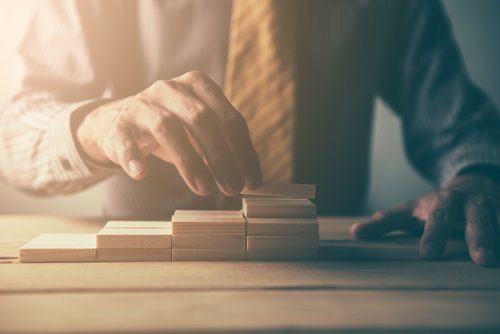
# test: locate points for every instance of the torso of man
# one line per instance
(340, 49)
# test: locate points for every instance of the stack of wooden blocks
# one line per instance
(281, 223)
(208, 235)
(135, 241)
(278, 222)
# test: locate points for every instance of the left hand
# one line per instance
(470, 203)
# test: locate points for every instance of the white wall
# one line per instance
(477, 29)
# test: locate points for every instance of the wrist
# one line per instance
(87, 129)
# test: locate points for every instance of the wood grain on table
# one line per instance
(365, 287)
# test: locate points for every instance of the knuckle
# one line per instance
(142, 100)
(162, 86)
(163, 123)
(377, 215)
(440, 216)
(200, 116)
(194, 75)
(480, 200)
(158, 85)
(116, 129)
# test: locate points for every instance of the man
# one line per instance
(135, 90)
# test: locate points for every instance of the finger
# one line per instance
(204, 125)
(447, 214)
(176, 148)
(120, 147)
(399, 219)
(236, 129)
(480, 231)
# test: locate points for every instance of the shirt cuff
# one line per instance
(67, 164)
(472, 155)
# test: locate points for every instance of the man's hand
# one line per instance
(469, 203)
(186, 121)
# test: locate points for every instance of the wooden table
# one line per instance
(358, 287)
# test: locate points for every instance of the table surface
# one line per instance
(356, 287)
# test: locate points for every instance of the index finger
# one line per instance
(206, 128)
(234, 125)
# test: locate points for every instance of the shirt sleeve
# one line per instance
(61, 62)
(449, 124)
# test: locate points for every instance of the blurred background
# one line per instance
(477, 28)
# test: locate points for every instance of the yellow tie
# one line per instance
(260, 79)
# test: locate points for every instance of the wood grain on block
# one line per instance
(288, 255)
(282, 226)
(133, 254)
(212, 213)
(208, 254)
(290, 190)
(256, 207)
(209, 241)
(233, 223)
(134, 238)
(208, 217)
(265, 243)
(78, 247)
(208, 229)
(138, 224)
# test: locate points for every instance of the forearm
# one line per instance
(38, 152)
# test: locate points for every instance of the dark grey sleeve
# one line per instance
(449, 124)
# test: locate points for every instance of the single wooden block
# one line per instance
(282, 226)
(278, 208)
(78, 247)
(202, 222)
(289, 190)
(210, 213)
(271, 243)
(288, 255)
(134, 238)
(138, 224)
(208, 254)
(133, 254)
(208, 216)
(209, 241)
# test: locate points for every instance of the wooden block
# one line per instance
(138, 224)
(133, 254)
(288, 190)
(211, 213)
(134, 238)
(203, 222)
(209, 241)
(202, 228)
(208, 216)
(278, 208)
(64, 247)
(271, 243)
(289, 255)
(208, 254)
(282, 226)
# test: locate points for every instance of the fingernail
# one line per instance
(252, 185)
(355, 230)
(204, 186)
(233, 184)
(135, 168)
(484, 257)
